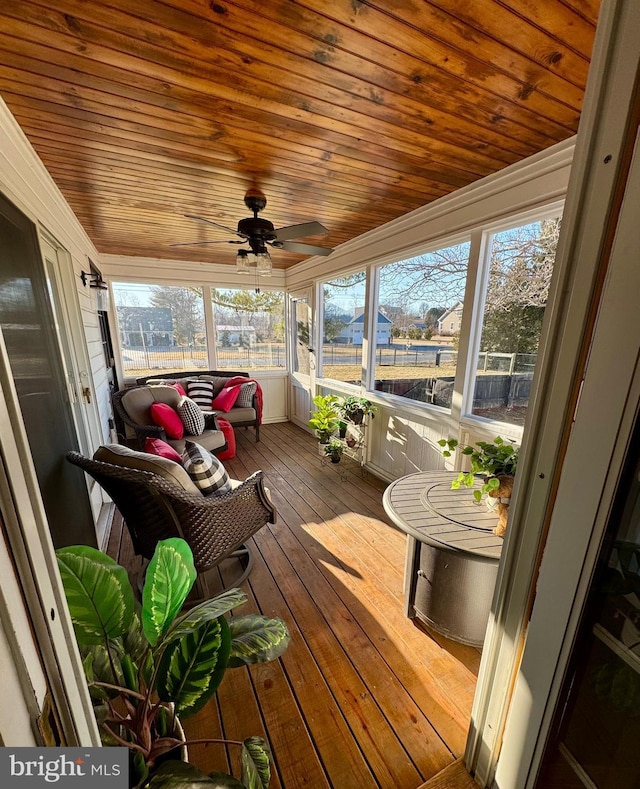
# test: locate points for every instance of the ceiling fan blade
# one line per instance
(300, 231)
(303, 249)
(215, 224)
(202, 243)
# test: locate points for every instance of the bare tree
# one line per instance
(186, 310)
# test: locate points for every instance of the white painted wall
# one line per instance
(27, 184)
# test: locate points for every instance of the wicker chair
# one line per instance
(155, 508)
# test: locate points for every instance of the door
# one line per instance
(29, 332)
(597, 722)
(302, 356)
(77, 378)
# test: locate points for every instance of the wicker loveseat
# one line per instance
(133, 406)
(158, 499)
(237, 416)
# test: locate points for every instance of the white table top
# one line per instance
(424, 506)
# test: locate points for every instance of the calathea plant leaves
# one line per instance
(191, 668)
(98, 593)
(199, 614)
(256, 639)
(256, 771)
(168, 581)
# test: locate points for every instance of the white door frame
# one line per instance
(73, 347)
(44, 651)
(299, 382)
(512, 656)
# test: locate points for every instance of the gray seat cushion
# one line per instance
(237, 415)
(210, 439)
(119, 455)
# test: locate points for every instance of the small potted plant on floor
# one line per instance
(496, 462)
(334, 449)
(326, 416)
(354, 409)
(149, 667)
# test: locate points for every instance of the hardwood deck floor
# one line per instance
(363, 697)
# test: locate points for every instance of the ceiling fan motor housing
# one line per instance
(257, 230)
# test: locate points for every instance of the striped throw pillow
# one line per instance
(206, 471)
(201, 392)
(191, 415)
(245, 398)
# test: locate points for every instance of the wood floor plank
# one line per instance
(375, 703)
(343, 498)
(334, 741)
(444, 688)
(453, 777)
(363, 697)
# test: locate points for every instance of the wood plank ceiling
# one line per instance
(349, 112)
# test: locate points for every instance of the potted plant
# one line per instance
(334, 449)
(342, 429)
(354, 409)
(496, 462)
(326, 416)
(148, 666)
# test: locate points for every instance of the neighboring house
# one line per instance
(449, 322)
(235, 335)
(353, 332)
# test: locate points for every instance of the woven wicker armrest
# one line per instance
(216, 526)
(141, 431)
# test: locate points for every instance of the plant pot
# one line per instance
(342, 432)
(502, 495)
(335, 458)
(357, 417)
(351, 442)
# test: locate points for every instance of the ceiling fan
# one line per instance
(259, 233)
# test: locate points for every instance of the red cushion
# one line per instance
(164, 416)
(230, 438)
(179, 388)
(156, 446)
(226, 399)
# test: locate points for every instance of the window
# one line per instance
(418, 323)
(249, 330)
(161, 327)
(343, 328)
(521, 265)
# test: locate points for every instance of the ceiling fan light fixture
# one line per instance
(263, 263)
(242, 261)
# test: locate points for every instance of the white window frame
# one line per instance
(478, 295)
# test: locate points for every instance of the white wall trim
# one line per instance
(122, 268)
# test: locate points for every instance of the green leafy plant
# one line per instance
(493, 459)
(334, 449)
(325, 418)
(354, 408)
(150, 665)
